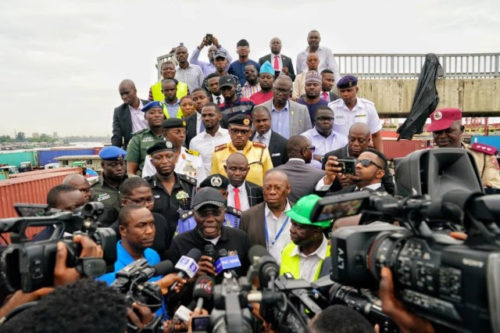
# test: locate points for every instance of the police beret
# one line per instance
(174, 123)
(347, 81)
(216, 181)
(160, 146)
(227, 81)
(110, 153)
(240, 119)
(153, 104)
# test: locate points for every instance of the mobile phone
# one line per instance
(348, 166)
(200, 323)
(209, 39)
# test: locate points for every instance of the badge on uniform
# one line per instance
(103, 196)
(216, 181)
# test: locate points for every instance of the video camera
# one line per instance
(29, 265)
(450, 282)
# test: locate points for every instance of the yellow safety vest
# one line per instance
(165, 112)
(291, 264)
(182, 90)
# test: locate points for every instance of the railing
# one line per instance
(377, 66)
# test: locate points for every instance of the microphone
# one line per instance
(203, 290)
(209, 250)
(226, 262)
(187, 265)
(162, 268)
(266, 265)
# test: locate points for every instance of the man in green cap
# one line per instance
(304, 257)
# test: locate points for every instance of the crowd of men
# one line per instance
(235, 154)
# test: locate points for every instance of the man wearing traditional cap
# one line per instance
(300, 81)
(188, 162)
(238, 66)
(240, 130)
(106, 190)
(172, 192)
(447, 130)
(266, 80)
(280, 63)
(167, 72)
(304, 257)
(233, 104)
(215, 47)
(220, 183)
(251, 85)
(350, 109)
(141, 141)
(312, 98)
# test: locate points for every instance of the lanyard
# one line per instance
(279, 231)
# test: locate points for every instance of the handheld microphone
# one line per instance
(162, 268)
(209, 250)
(187, 265)
(203, 291)
(226, 262)
(265, 264)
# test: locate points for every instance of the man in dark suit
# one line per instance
(128, 117)
(194, 125)
(301, 175)
(266, 223)
(327, 85)
(261, 118)
(281, 63)
(242, 194)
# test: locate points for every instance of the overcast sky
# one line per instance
(61, 61)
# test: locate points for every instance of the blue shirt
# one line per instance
(238, 68)
(173, 109)
(312, 108)
(280, 121)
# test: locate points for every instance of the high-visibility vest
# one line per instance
(292, 264)
(165, 112)
(182, 90)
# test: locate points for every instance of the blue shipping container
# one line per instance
(48, 156)
(493, 140)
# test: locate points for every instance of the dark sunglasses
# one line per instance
(366, 163)
(240, 131)
(324, 118)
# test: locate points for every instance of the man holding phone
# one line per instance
(209, 67)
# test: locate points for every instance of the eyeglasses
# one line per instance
(141, 200)
(239, 131)
(324, 118)
(366, 163)
(311, 148)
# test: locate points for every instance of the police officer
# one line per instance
(233, 215)
(189, 162)
(113, 175)
(142, 140)
(257, 154)
(172, 192)
(304, 257)
(447, 131)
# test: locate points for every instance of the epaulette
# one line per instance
(367, 101)
(233, 211)
(259, 144)
(481, 147)
(186, 215)
(192, 152)
(221, 147)
(339, 100)
(188, 179)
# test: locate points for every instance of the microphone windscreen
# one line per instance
(195, 254)
(257, 251)
(163, 268)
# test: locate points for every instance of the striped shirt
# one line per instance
(240, 106)
(247, 90)
(192, 76)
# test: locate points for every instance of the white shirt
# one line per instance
(363, 112)
(324, 145)
(243, 197)
(221, 99)
(137, 117)
(273, 225)
(205, 144)
(326, 60)
(266, 138)
(309, 263)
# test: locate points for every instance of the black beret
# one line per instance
(160, 146)
(174, 123)
(216, 181)
(240, 119)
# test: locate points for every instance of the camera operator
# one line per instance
(339, 318)
(310, 251)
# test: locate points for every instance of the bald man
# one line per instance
(128, 117)
(80, 183)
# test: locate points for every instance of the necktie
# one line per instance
(325, 96)
(202, 126)
(261, 138)
(218, 100)
(276, 63)
(237, 202)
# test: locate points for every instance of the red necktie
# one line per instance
(325, 96)
(276, 63)
(237, 203)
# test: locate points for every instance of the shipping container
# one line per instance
(401, 148)
(17, 157)
(49, 156)
(45, 172)
(492, 140)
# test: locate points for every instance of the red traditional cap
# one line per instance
(443, 119)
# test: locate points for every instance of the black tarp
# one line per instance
(426, 98)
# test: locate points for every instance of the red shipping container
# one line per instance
(401, 148)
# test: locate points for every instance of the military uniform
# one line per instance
(256, 153)
(139, 144)
(486, 162)
(187, 221)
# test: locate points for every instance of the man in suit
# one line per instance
(266, 223)
(194, 125)
(327, 85)
(288, 118)
(242, 194)
(261, 118)
(128, 117)
(301, 175)
(281, 63)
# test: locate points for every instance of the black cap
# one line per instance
(220, 54)
(241, 119)
(173, 123)
(208, 196)
(242, 42)
(227, 81)
(216, 181)
(160, 146)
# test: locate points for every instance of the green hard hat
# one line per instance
(301, 211)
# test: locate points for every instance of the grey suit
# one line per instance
(300, 121)
(302, 178)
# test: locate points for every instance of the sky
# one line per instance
(61, 61)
